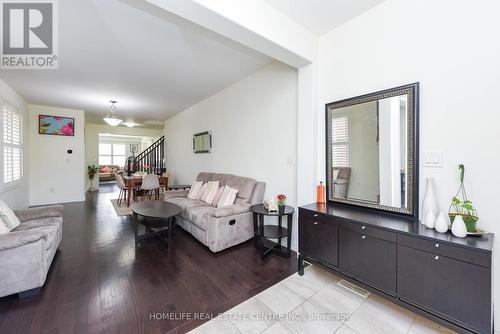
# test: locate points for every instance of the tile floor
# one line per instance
(314, 303)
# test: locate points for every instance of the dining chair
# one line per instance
(123, 189)
(164, 184)
(150, 184)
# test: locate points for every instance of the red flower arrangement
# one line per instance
(281, 199)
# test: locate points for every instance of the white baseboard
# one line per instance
(82, 199)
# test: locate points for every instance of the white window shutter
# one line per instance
(340, 141)
(12, 144)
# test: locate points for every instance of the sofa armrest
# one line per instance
(39, 212)
(232, 210)
(20, 238)
(175, 194)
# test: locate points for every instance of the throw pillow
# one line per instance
(107, 170)
(217, 196)
(201, 192)
(3, 227)
(212, 188)
(228, 197)
(195, 188)
(8, 217)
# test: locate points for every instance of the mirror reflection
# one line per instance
(369, 152)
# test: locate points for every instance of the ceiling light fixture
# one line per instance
(129, 124)
(111, 117)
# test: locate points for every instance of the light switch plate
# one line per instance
(432, 159)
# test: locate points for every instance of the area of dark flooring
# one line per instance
(100, 282)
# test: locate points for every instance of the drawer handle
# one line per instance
(436, 257)
(363, 227)
(436, 245)
(315, 223)
(363, 236)
(316, 215)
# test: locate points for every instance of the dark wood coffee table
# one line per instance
(157, 217)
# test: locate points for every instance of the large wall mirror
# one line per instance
(372, 144)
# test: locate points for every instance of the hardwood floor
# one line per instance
(100, 283)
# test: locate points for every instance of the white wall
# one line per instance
(55, 175)
(254, 129)
(92, 132)
(452, 49)
(18, 196)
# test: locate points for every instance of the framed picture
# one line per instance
(134, 148)
(202, 142)
(56, 125)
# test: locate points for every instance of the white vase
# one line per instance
(458, 227)
(441, 224)
(429, 219)
(430, 201)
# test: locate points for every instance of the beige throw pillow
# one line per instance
(217, 196)
(228, 197)
(8, 217)
(195, 188)
(3, 227)
(212, 188)
(201, 192)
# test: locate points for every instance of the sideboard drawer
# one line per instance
(316, 216)
(370, 231)
(454, 252)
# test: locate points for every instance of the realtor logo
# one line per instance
(29, 34)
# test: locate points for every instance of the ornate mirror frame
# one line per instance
(412, 90)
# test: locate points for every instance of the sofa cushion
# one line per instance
(228, 197)
(49, 226)
(211, 191)
(8, 217)
(200, 193)
(195, 189)
(244, 185)
(217, 196)
(200, 216)
(186, 204)
(206, 177)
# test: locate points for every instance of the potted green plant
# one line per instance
(92, 170)
(462, 206)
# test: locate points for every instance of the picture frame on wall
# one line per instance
(134, 148)
(56, 125)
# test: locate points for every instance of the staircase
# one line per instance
(152, 157)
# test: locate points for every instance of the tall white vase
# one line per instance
(430, 201)
(458, 227)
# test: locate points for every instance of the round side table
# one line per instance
(264, 233)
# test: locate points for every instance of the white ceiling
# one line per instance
(321, 16)
(153, 66)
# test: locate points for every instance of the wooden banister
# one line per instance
(153, 157)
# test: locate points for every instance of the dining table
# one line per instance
(135, 181)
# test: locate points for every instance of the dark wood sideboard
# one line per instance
(439, 276)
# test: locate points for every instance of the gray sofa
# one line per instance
(27, 251)
(219, 228)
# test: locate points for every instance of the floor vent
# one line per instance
(354, 288)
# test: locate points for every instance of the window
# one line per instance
(340, 142)
(112, 154)
(12, 144)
